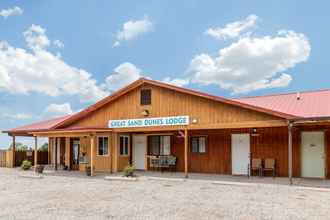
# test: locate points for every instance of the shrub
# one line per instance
(26, 165)
(129, 171)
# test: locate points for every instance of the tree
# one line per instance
(44, 147)
(19, 146)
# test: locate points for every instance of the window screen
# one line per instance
(103, 146)
(124, 145)
(146, 97)
(198, 144)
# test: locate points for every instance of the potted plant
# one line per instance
(40, 168)
(129, 171)
(26, 165)
(88, 170)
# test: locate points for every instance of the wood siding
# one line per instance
(166, 102)
(268, 143)
(101, 163)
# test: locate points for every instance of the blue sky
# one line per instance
(57, 57)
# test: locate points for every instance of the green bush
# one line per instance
(129, 171)
(26, 165)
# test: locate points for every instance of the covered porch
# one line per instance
(226, 150)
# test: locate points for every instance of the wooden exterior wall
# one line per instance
(166, 102)
(101, 163)
(269, 143)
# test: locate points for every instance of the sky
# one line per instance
(58, 57)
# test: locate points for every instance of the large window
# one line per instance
(198, 144)
(145, 97)
(103, 148)
(159, 145)
(124, 145)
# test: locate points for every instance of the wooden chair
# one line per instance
(256, 165)
(172, 163)
(269, 165)
(154, 162)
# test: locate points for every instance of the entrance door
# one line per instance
(240, 154)
(139, 149)
(312, 154)
(75, 151)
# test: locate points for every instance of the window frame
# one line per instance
(98, 146)
(206, 144)
(143, 100)
(159, 145)
(128, 145)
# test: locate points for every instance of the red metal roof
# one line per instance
(42, 125)
(310, 104)
(307, 104)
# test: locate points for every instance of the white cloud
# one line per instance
(58, 44)
(123, 75)
(234, 29)
(252, 63)
(11, 12)
(57, 110)
(176, 81)
(38, 70)
(36, 38)
(15, 116)
(133, 29)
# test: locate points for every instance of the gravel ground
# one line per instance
(78, 197)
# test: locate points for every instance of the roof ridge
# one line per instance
(281, 94)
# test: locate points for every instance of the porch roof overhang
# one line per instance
(70, 132)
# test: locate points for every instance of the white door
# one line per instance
(240, 154)
(312, 154)
(139, 150)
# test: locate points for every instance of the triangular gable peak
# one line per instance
(168, 100)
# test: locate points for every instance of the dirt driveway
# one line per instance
(78, 197)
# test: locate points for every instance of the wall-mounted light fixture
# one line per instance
(254, 133)
(145, 113)
(194, 120)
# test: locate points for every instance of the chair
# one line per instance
(172, 163)
(154, 162)
(269, 165)
(256, 165)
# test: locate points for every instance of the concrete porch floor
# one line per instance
(319, 183)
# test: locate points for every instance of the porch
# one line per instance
(213, 151)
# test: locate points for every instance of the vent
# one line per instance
(298, 96)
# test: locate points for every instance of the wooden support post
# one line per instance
(186, 153)
(13, 151)
(114, 152)
(55, 160)
(92, 154)
(290, 151)
(35, 153)
(67, 153)
(49, 147)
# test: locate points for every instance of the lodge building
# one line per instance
(204, 133)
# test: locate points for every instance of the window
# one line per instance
(145, 97)
(159, 145)
(198, 144)
(124, 145)
(103, 146)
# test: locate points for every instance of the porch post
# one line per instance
(92, 154)
(290, 151)
(186, 153)
(55, 161)
(13, 151)
(35, 153)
